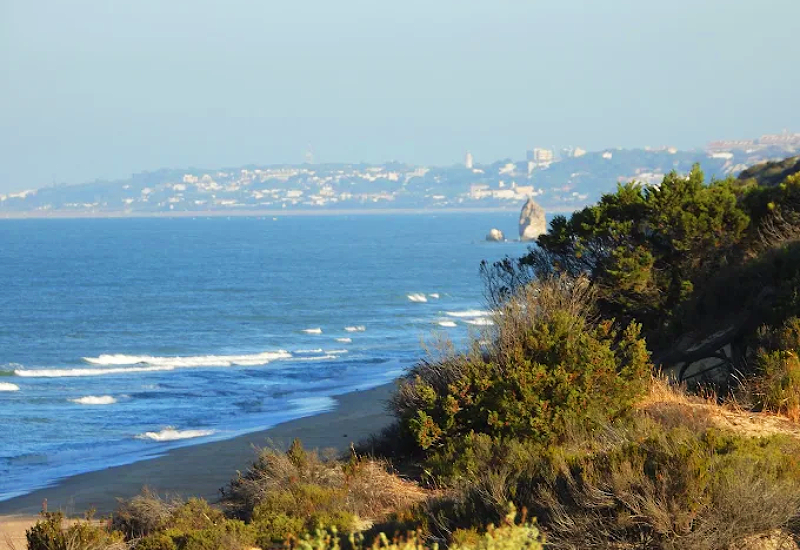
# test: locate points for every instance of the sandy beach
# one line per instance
(199, 470)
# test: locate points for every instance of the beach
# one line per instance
(199, 470)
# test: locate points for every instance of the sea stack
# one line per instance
(495, 235)
(531, 221)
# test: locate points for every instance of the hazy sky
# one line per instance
(103, 88)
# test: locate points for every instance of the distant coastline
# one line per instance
(262, 213)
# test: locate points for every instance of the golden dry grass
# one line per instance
(671, 406)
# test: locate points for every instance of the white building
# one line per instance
(469, 162)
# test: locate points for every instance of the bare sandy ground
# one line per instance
(199, 470)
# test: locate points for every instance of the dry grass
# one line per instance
(670, 405)
(366, 487)
(375, 491)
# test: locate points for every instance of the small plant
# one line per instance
(143, 514)
(49, 533)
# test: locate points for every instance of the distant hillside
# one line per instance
(772, 173)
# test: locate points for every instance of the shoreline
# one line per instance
(69, 215)
(201, 470)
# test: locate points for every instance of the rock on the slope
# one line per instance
(531, 221)
(495, 235)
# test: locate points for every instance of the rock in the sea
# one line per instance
(531, 221)
(495, 235)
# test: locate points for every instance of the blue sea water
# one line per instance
(122, 338)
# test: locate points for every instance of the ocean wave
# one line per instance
(312, 330)
(190, 361)
(417, 297)
(434, 295)
(318, 350)
(5, 386)
(336, 351)
(67, 373)
(314, 358)
(448, 324)
(480, 321)
(358, 328)
(468, 313)
(171, 434)
(313, 404)
(345, 340)
(95, 400)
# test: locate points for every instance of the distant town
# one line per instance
(561, 181)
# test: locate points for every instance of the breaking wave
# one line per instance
(195, 361)
(480, 321)
(67, 373)
(448, 324)
(95, 400)
(468, 313)
(5, 386)
(417, 298)
(434, 295)
(345, 340)
(312, 330)
(171, 434)
(358, 328)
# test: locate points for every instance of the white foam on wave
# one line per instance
(190, 361)
(480, 321)
(417, 297)
(318, 350)
(95, 400)
(434, 295)
(345, 340)
(171, 434)
(358, 328)
(312, 330)
(336, 351)
(68, 373)
(448, 324)
(468, 313)
(6, 386)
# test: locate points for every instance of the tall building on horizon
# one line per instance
(469, 162)
(540, 156)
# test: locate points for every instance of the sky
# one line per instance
(100, 89)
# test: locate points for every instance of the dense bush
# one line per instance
(633, 485)
(49, 533)
(645, 248)
(508, 536)
(548, 366)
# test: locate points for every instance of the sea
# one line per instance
(123, 338)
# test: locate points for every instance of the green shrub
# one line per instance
(506, 537)
(774, 384)
(275, 527)
(49, 533)
(227, 535)
(631, 485)
(195, 514)
(548, 366)
(156, 541)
